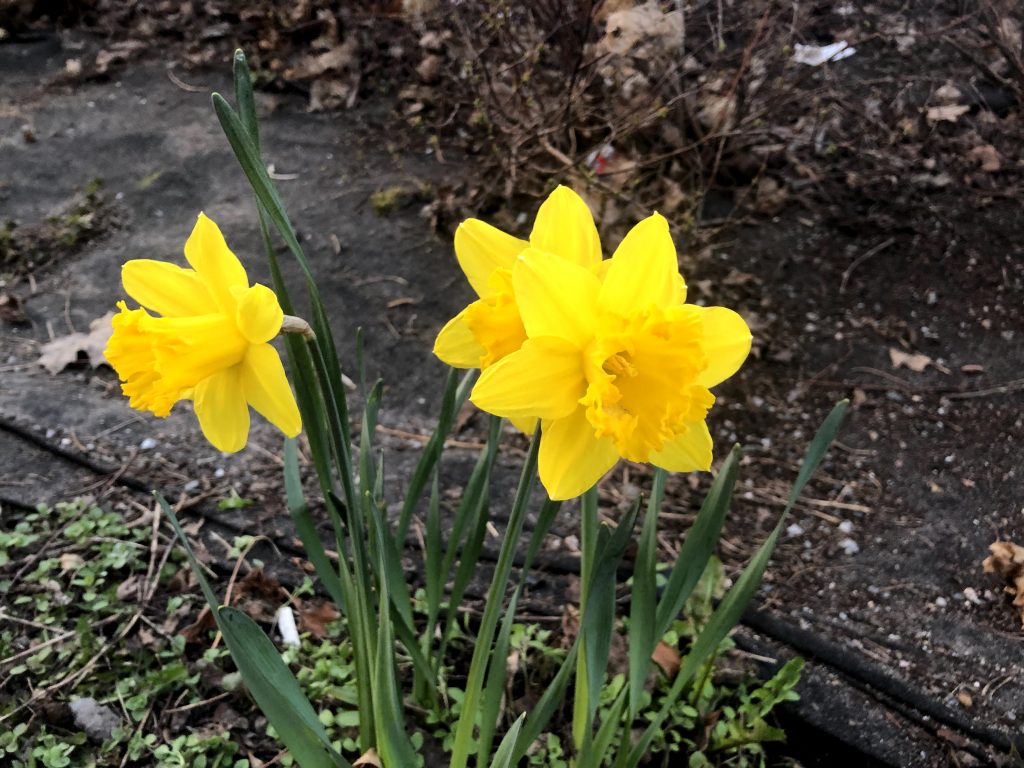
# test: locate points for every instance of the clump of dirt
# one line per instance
(31, 248)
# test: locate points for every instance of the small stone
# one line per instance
(941, 602)
(148, 444)
(794, 530)
(846, 526)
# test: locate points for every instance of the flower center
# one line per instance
(641, 381)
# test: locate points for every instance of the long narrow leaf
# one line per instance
(729, 611)
(701, 542)
(599, 612)
(454, 397)
(497, 672)
(306, 528)
(485, 636)
(542, 712)
(271, 683)
(244, 97)
(643, 600)
(392, 740)
(504, 757)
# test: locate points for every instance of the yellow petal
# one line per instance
(688, 452)
(572, 458)
(525, 425)
(218, 268)
(481, 249)
(544, 380)
(556, 297)
(456, 345)
(259, 314)
(726, 344)
(223, 414)
(565, 226)
(644, 271)
(266, 389)
(166, 288)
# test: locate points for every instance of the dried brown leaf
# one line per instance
(987, 157)
(666, 657)
(315, 616)
(64, 350)
(916, 362)
(946, 113)
(1007, 560)
(369, 757)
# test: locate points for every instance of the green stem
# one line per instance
(493, 609)
(581, 725)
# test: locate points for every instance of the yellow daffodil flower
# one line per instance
(613, 361)
(490, 328)
(209, 343)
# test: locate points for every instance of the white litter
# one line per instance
(98, 721)
(849, 546)
(147, 444)
(846, 526)
(794, 530)
(286, 626)
(816, 55)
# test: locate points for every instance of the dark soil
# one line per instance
(895, 234)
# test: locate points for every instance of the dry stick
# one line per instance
(196, 704)
(137, 731)
(234, 576)
(748, 53)
(35, 556)
(861, 259)
(1002, 389)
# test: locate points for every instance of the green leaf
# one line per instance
(599, 612)
(471, 518)
(542, 712)
(505, 756)
(643, 601)
(700, 544)
(244, 97)
(306, 528)
(271, 683)
(455, 395)
(497, 671)
(495, 598)
(729, 611)
(392, 739)
(433, 555)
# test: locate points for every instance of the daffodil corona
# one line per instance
(208, 344)
(610, 358)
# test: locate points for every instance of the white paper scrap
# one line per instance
(816, 55)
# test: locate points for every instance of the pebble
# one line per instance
(941, 602)
(794, 530)
(147, 444)
(846, 526)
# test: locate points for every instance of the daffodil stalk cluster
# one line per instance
(599, 359)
